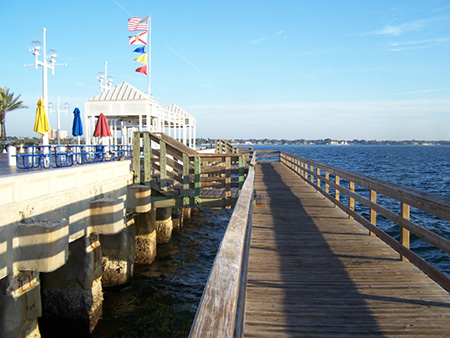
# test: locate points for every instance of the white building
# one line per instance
(127, 109)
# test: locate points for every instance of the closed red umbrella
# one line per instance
(102, 127)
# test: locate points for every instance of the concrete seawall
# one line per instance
(52, 228)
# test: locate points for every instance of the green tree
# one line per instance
(7, 103)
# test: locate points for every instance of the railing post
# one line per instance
(373, 213)
(197, 182)
(318, 179)
(137, 157)
(327, 186)
(147, 159)
(228, 182)
(404, 233)
(241, 171)
(311, 176)
(163, 164)
(351, 201)
(186, 180)
(336, 190)
(216, 146)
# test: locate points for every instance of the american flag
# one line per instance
(137, 24)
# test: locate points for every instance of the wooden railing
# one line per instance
(225, 147)
(184, 177)
(343, 188)
(221, 309)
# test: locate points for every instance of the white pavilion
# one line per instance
(127, 109)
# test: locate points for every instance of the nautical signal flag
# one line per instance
(142, 70)
(140, 50)
(141, 59)
(137, 24)
(138, 39)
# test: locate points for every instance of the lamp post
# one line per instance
(105, 80)
(35, 49)
(58, 111)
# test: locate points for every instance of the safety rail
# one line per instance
(221, 309)
(54, 156)
(332, 182)
(184, 177)
(225, 147)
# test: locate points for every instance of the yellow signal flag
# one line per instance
(142, 59)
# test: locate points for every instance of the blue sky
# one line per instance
(356, 69)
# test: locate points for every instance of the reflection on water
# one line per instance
(162, 299)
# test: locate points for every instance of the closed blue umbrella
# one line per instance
(77, 127)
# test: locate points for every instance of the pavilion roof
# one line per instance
(122, 92)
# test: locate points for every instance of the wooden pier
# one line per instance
(299, 260)
(313, 272)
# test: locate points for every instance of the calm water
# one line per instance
(162, 299)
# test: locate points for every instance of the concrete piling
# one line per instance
(20, 305)
(145, 241)
(177, 218)
(118, 256)
(72, 296)
(164, 225)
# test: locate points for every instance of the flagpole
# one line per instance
(149, 68)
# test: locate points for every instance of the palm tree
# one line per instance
(7, 103)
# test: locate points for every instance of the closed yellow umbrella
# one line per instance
(41, 125)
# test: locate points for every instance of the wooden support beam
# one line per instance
(197, 180)
(163, 164)
(185, 180)
(147, 159)
(241, 171)
(351, 201)
(336, 191)
(404, 233)
(136, 158)
(373, 213)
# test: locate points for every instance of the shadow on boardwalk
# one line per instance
(305, 256)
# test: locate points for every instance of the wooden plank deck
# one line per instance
(313, 272)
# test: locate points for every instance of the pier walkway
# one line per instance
(314, 272)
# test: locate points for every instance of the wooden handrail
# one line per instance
(166, 164)
(221, 309)
(225, 147)
(318, 175)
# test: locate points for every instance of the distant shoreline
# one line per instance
(327, 141)
(251, 142)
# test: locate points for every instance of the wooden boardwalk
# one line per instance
(313, 272)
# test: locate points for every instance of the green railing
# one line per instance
(182, 177)
(225, 147)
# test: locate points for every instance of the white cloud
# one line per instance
(423, 91)
(267, 37)
(410, 45)
(395, 30)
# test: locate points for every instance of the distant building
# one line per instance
(53, 134)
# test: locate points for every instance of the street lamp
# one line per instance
(35, 49)
(105, 80)
(50, 106)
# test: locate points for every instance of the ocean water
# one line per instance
(163, 297)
